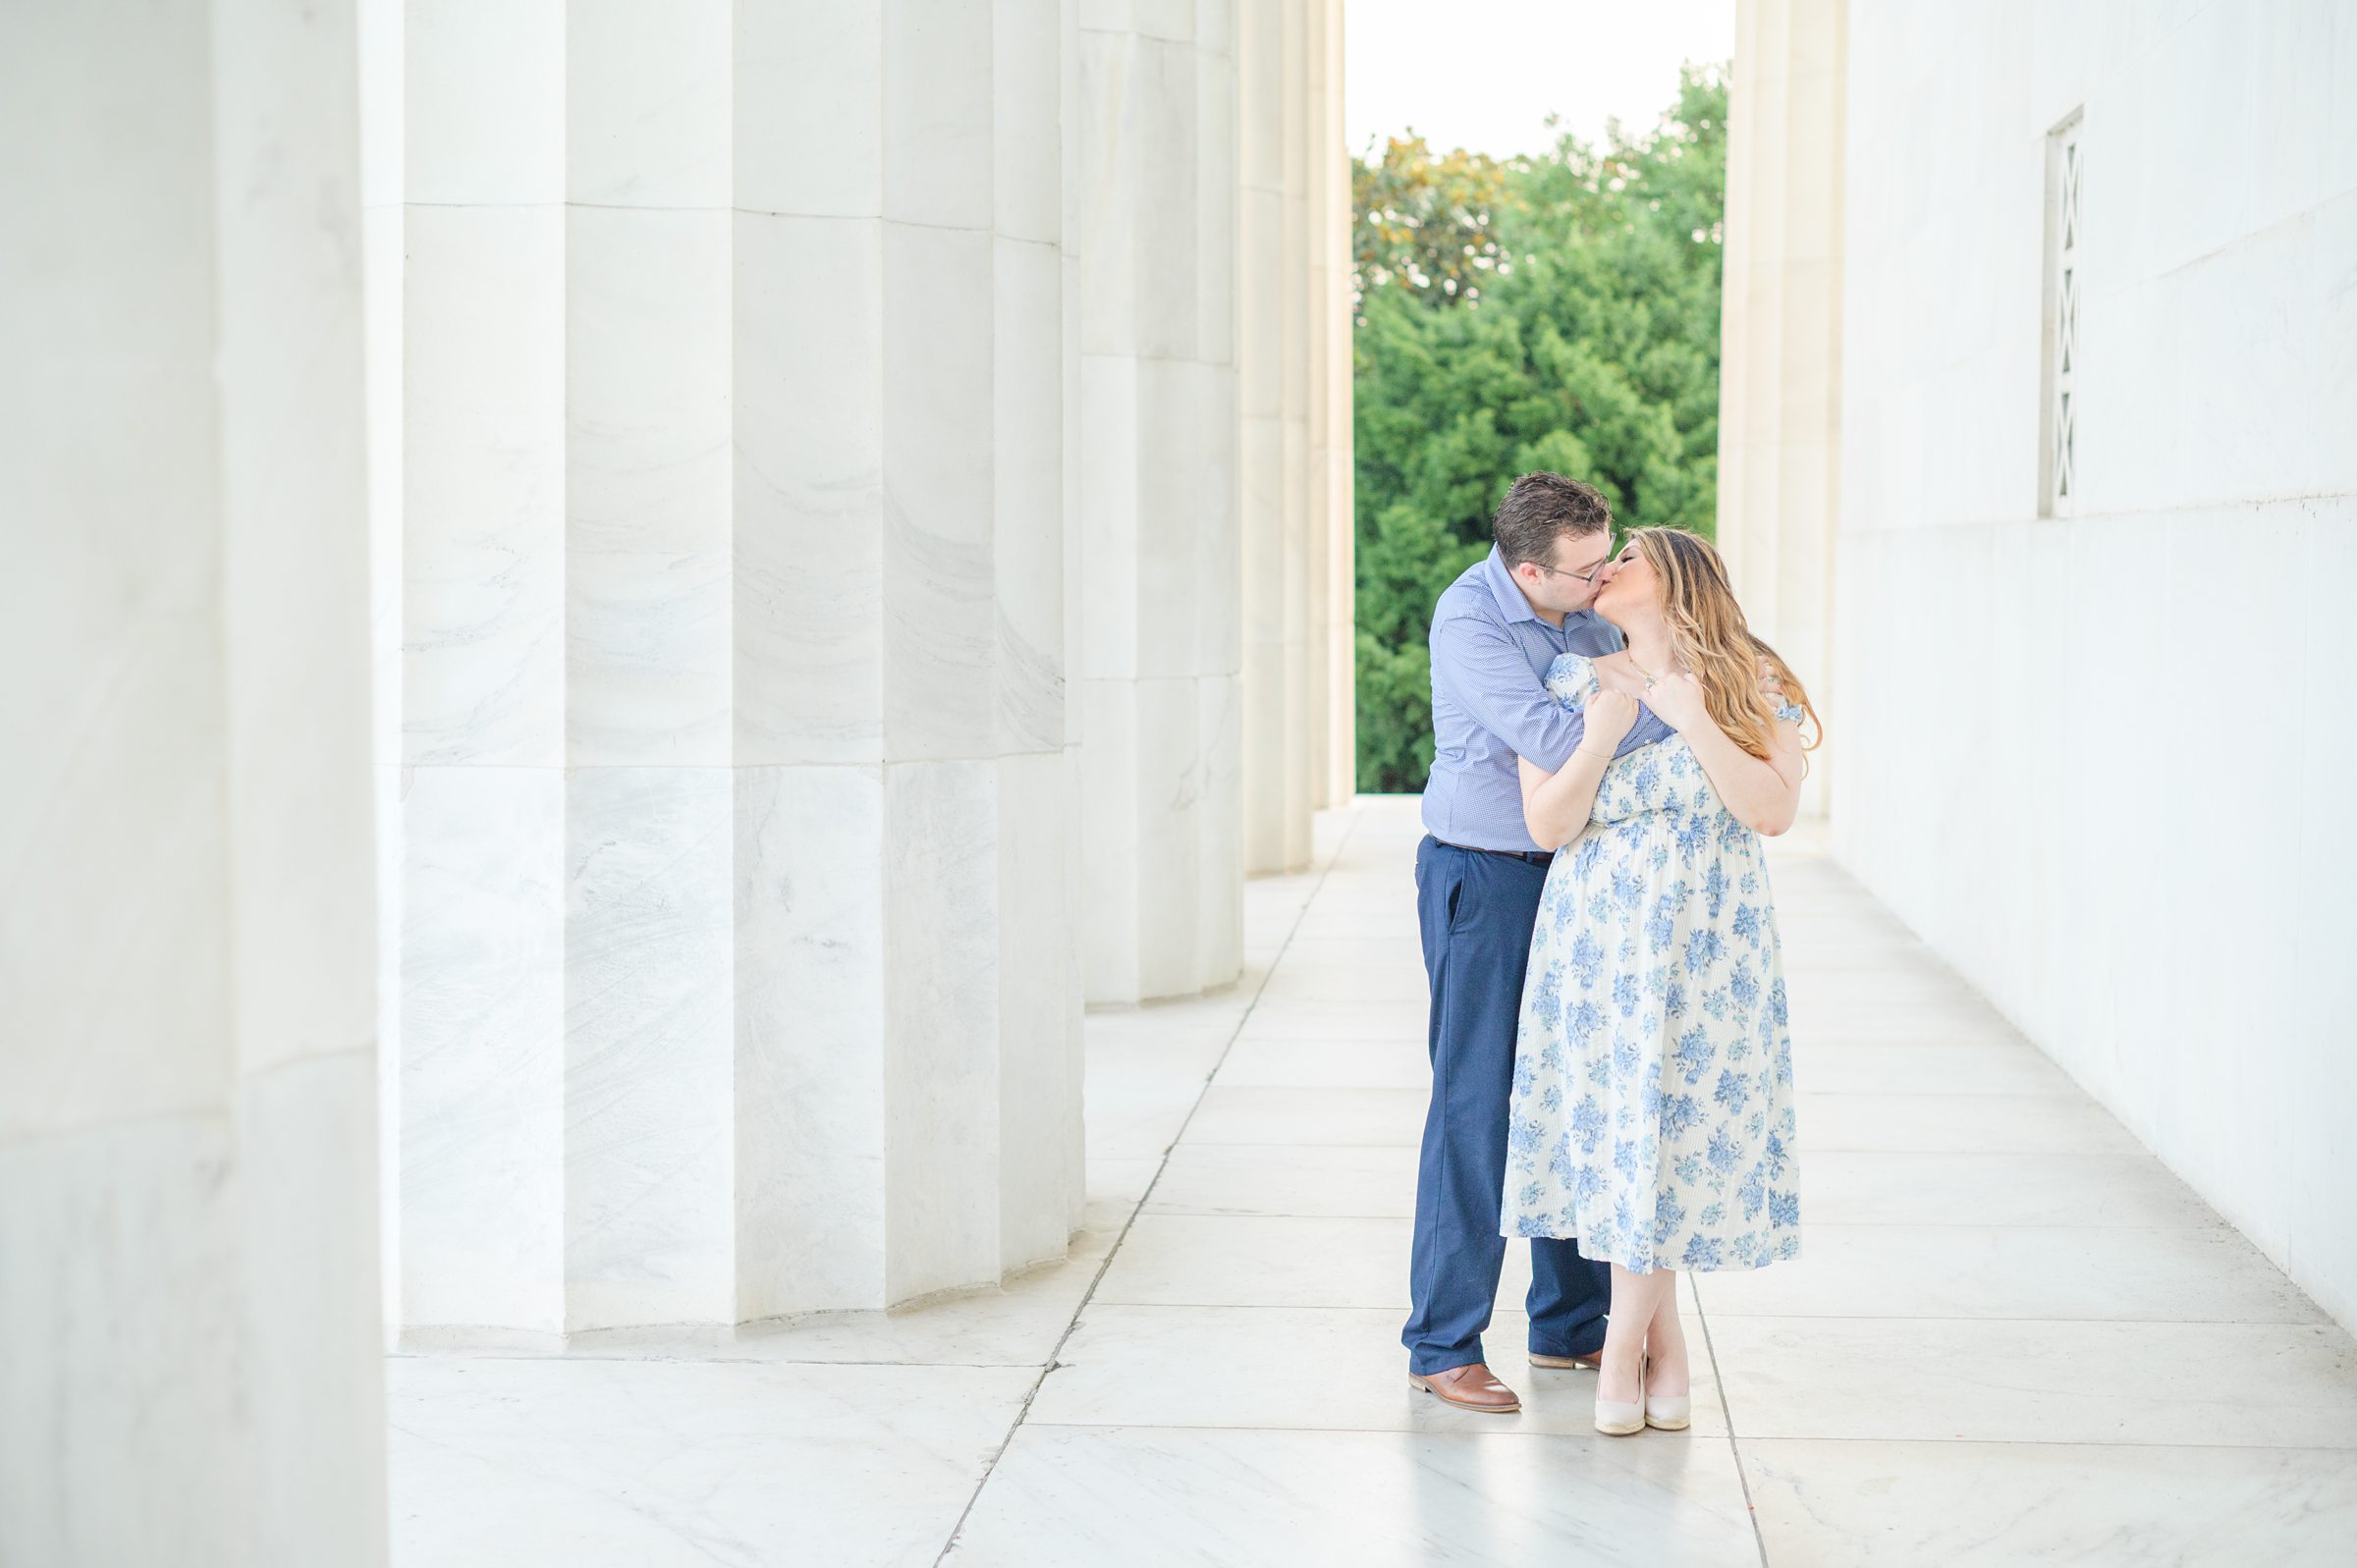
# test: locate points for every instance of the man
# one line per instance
(1478, 879)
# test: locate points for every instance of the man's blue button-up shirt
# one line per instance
(1490, 653)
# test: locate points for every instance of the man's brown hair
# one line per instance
(1540, 508)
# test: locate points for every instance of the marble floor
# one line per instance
(2013, 1337)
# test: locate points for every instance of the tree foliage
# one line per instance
(1581, 334)
(1422, 221)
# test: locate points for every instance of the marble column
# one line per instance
(1291, 153)
(188, 1350)
(1780, 397)
(1281, 145)
(1332, 672)
(738, 973)
(1160, 645)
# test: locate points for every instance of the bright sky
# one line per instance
(1485, 74)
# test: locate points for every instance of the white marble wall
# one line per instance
(1159, 587)
(1294, 168)
(1780, 405)
(189, 1367)
(2099, 761)
(738, 970)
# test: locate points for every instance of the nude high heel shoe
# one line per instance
(1618, 1418)
(1666, 1412)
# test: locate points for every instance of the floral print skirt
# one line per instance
(1652, 1109)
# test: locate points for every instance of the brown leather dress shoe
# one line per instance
(1470, 1388)
(1587, 1363)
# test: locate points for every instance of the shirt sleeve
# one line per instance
(1648, 729)
(1477, 667)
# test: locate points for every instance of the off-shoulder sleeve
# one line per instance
(1571, 680)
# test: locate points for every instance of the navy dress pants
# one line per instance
(1477, 911)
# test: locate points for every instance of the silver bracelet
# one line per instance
(1585, 752)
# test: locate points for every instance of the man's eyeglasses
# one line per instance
(1565, 572)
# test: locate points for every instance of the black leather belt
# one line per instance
(1537, 858)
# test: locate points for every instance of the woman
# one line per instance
(1652, 1114)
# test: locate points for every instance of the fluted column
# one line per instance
(1779, 398)
(1333, 663)
(1159, 592)
(739, 974)
(1292, 150)
(189, 1348)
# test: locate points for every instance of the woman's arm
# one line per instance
(1556, 805)
(1763, 792)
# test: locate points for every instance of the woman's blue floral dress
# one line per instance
(1652, 1114)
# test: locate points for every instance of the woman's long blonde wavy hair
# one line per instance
(1708, 635)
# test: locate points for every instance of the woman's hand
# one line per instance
(1611, 716)
(1677, 699)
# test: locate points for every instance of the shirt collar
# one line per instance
(1512, 603)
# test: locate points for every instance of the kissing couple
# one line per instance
(1611, 1065)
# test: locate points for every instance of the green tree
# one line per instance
(1585, 342)
(1422, 221)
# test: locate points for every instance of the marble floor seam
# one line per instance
(1735, 1445)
